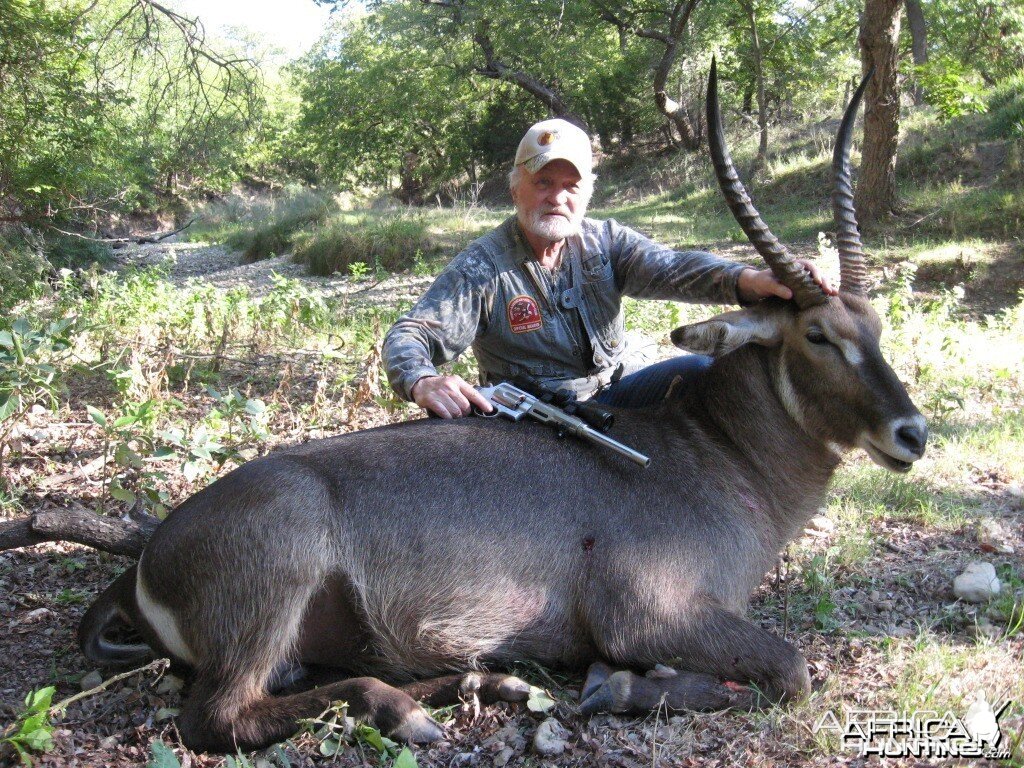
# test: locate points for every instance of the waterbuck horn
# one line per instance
(852, 271)
(806, 292)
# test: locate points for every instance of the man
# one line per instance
(541, 294)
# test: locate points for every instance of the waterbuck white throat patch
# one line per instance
(163, 622)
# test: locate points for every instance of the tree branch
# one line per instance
(119, 536)
(153, 238)
(498, 70)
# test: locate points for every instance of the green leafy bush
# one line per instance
(392, 244)
(22, 266)
(32, 732)
(32, 369)
(63, 251)
(949, 87)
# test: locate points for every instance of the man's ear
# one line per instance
(760, 324)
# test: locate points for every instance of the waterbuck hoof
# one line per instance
(596, 675)
(612, 695)
(792, 683)
(417, 728)
(513, 689)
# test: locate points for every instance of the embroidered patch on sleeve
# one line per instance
(523, 314)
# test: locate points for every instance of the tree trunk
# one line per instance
(918, 42)
(876, 188)
(411, 187)
(674, 111)
(679, 19)
(762, 106)
(689, 134)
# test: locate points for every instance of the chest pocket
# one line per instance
(596, 267)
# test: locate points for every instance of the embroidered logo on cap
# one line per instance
(523, 314)
(548, 137)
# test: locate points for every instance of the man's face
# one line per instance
(552, 202)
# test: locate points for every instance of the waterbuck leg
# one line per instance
(721, 643)
(453, 689)
(717, 645)
(626, 692)
(226, 716)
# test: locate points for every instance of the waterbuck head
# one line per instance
(829, 373)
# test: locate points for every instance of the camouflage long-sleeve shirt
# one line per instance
(566, 328)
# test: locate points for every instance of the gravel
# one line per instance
(223, 268)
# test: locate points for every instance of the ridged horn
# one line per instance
(852, 268)
(806, 292)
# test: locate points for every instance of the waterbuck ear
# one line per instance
(723, 333)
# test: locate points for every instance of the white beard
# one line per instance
(553, 228)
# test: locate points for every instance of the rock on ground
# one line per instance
(550, 739)
(978, 583)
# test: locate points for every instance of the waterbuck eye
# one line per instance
(815, 336)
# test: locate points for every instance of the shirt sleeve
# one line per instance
(646, 270)
(441, 325)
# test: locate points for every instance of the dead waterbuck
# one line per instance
(434, 547)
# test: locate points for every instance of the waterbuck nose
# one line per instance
(912, 435)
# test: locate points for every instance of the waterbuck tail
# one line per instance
(114, 605)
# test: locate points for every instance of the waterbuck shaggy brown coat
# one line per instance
(435, 547)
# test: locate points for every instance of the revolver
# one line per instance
(513, 403)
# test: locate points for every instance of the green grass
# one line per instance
(938, 676)
(355, 245)
(1006, 109)
(864, 492)
(277, 236)
(262, 226)
(1008, 607)
(955, 210)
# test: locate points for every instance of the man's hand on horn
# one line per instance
(754, 285)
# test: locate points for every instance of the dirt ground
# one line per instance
(44, 590)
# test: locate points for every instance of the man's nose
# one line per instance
(559, 197)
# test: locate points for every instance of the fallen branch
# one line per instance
(115, 241)
(914, 223)
(157, 238)
(159, 666)
(118, 536)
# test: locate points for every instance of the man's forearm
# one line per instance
(406, 359)
(645, 269)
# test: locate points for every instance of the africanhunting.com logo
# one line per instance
(922, 733)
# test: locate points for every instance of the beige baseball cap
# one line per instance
(555, 140)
